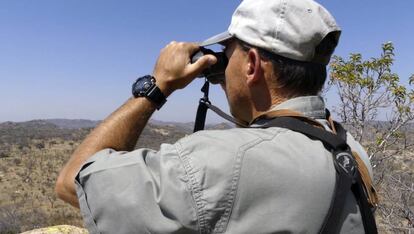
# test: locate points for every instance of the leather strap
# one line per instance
(331, 122)
(287, 113)
(366, 180)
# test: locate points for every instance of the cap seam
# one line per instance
(276, 36)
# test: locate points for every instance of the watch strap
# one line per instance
(156, 96)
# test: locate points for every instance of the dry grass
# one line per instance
(28, 176)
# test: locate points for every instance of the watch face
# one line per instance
(145, 87)
(142, 85)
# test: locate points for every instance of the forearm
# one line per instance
(119, 131)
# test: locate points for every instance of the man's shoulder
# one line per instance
(217, 151)
(228, 139)
(224, 148)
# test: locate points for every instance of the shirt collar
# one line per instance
(309, 106)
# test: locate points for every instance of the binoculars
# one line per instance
(215, 73)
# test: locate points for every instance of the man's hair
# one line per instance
(298, 78)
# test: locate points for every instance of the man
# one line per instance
(261, 179)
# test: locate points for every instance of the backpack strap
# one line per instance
(347, 174)
(363, 189)
(363, 170)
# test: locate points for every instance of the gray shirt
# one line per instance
(242, 180)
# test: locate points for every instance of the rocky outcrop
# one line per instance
(61, 229)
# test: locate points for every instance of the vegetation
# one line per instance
(368, 90)
(31, 155)
(27, 175)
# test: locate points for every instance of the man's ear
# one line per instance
(254, 71)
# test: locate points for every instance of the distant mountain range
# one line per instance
(86, 123)
(155, 133)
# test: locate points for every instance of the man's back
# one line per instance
(276, 180)
(253, 180)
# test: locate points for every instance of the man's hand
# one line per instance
(174, 69)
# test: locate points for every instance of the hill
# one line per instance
(73, 123)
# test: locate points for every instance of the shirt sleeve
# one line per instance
(143, 191)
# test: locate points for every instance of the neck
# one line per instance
(276, 100)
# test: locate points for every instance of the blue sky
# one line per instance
(77, 59)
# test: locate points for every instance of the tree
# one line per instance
(366, 87)
(368, 90)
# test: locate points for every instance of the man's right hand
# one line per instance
(174, 69)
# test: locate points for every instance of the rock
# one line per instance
(61, 229)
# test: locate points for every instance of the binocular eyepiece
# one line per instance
(215, 73)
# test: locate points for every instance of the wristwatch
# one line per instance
(145, 87)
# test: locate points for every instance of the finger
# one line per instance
(201, 64)
(192, 47)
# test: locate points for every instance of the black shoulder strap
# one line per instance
(347, 176)
(360, 194)
(330, 140)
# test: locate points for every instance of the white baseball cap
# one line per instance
(289, 28)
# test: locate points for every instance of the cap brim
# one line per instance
(219, 38)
